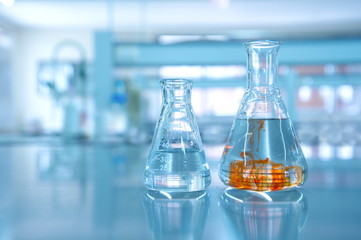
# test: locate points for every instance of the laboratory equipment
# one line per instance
(262, 151)
(118, 110)
(176, 216)
(67, 82)
(265, 216)
(135, 133)
(176, 161)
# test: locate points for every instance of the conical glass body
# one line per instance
(262, 151)
(176, 161)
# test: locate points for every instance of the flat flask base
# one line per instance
(187, 182)
(178, 171)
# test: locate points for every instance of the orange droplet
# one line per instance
(227, 148)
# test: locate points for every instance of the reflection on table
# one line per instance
(265, 216)
(176, 216)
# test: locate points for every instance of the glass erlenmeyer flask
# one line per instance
(176, 161)
(262, 151)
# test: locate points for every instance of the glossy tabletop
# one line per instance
(95, 191)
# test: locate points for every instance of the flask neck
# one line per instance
(176, 91)
(262, 99)
(177, 96)
(262, 64)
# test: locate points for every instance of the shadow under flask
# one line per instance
(262, 151)
(176, 161)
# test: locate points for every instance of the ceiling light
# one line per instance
(7, 3)
(223, 4)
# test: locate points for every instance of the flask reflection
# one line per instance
(176, 215)
(265, 216)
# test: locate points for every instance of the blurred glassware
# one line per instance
(176, 216)
(307, 133)
(135, 132)
(118, 122)
(177, 162)
(350, 134)
(265, 216)
(67, 82)
(331, 133)
(325, 151)
(358, 134)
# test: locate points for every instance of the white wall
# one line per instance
(30, 47)
(6, 109)
(6, 120)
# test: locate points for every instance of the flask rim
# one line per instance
(263, 43)
(176, 82)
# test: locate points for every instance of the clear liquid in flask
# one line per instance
(176, 161)
(177, 168)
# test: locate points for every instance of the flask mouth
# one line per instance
(263, 43)
(178, 83)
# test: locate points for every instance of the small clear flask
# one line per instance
(262, 151)
(176, 161)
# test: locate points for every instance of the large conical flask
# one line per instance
(262, 151)
(176, 161)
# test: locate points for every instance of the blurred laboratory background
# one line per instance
(80, 97)
(90, 70)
